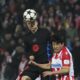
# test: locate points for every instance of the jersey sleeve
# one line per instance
(66, 59)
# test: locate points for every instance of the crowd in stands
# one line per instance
(55, 15)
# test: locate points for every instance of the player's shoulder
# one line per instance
(65, 51)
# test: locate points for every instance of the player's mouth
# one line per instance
(56, 50)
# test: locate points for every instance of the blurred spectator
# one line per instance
(11, 71)
(22, 64)
(8, 42)
(76, 54)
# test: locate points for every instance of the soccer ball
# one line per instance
(29, 15)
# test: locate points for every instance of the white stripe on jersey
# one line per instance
(71, 73)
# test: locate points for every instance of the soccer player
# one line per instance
(35, 40)
(61, 63)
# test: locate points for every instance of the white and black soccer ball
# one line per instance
(29, 15)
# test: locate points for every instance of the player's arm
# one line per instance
(43, 66)
(63, 70)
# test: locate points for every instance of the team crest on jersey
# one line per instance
(35, 47)
(66, 53)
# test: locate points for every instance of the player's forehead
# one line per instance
(55, 43)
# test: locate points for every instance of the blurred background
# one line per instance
(55, 15)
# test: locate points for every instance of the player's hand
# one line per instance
(31, 58)
(47, 73)
(34, 63)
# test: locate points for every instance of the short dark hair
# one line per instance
(59, 38)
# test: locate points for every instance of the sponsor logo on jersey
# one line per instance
(55, 65)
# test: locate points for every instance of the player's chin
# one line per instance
(33, 29)
(56, 50)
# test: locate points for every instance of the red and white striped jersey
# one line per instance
(63, 58)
